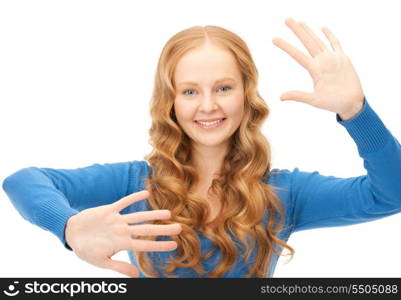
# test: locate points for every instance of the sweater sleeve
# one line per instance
(325, 201)
(49, 197)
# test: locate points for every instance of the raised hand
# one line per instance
(96, 234)
(337, 87)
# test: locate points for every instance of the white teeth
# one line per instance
(210, 123)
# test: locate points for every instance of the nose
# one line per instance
(207, 103)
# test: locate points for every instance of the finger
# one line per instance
(297, 96)
(130, 199)
(299, 56)
(335, 44)
(122, 267)
(152, 229)
(309, 43)
(148, 246)
(144, 216)
(317, 40)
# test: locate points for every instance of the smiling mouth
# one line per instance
(213, 124)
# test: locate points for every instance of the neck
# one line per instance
(208, 160)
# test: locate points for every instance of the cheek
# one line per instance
(237, 110)
(182, 112)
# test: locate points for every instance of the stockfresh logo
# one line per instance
(71, 289)
(12, 289)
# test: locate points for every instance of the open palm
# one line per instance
(337, 87)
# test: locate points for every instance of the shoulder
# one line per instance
(129, 173)
(285, 178)
(280, 178)
(138, 172)
(282, 183)
(286, 182)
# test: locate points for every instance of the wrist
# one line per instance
(68, 233)
(352, 111)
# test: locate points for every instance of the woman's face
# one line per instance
(208, 87)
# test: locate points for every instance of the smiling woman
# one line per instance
(208, 182)
(209, 148)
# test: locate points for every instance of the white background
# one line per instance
(75, 83)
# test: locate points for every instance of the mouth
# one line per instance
(210, 125)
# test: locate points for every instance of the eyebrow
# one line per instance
(217, 81)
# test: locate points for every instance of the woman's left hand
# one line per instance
(337, 87)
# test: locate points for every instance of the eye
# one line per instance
(226, 86)
(185, 92)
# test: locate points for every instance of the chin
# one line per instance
(211, 142)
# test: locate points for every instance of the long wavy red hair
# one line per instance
(245, 197)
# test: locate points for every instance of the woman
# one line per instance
(208, 181)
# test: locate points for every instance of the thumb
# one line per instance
(122, 267)
(297, 96)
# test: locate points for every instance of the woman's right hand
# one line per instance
(98, 233)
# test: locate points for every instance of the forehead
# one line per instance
(206, 63)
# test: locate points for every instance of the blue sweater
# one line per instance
(48, 197)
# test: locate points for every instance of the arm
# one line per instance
(323, 201)
(319, 201)
(49, 197)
